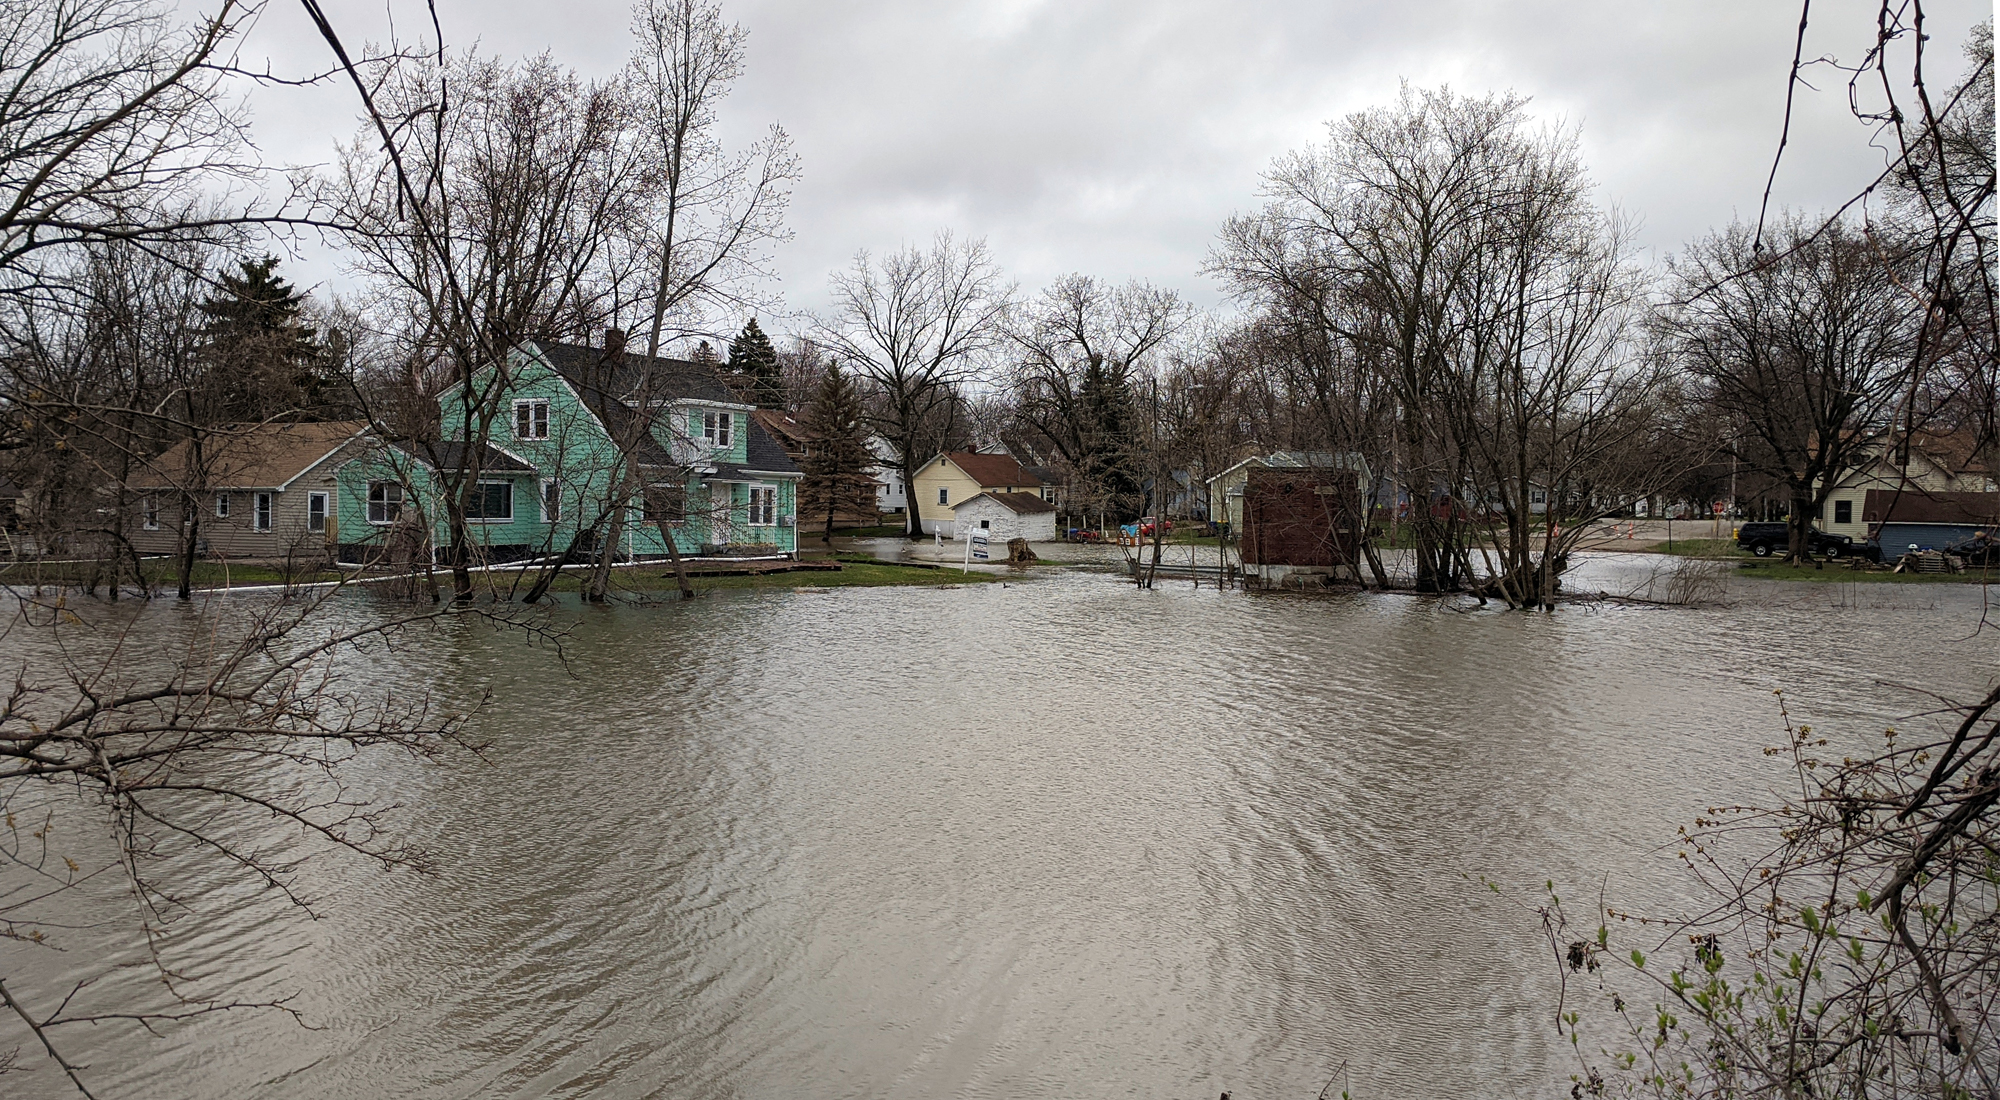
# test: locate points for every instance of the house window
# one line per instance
(491, 502)
(222, 506)
(385, 501)
(149, 513)
(260, 512)
(944, 496)
(531, 420)
(715, 428)
(315, 511)
(763, 506)
(1843, 511)
(551, 500)
(985, 525)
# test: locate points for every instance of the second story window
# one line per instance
(531, 420)
(715, 428)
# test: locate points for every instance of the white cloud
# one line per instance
(1113, 138)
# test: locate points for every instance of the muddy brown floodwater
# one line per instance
(1057, 838)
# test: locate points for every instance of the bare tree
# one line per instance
(1078, 336)
(1437, 270)
(709, 215)
(1809, 353)
(485, 203)
(916, 326)
(115, 127)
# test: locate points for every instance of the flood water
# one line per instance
(1058, 838)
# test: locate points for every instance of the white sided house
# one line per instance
(1005, 516)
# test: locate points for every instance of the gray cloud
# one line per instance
(1114, 138)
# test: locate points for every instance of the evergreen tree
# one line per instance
(754, 362)
(838, 458)
(262, 359)
(1109, 434)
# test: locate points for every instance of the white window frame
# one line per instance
(944, 496)
(537, 420)
(385, 503)
(767, 514)
(262, 507)
(149, 513)
(318, 506)
(222, 506)
(479, 488)
(551, 495)
(717, 427)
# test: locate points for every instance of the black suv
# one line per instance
(1764, 539)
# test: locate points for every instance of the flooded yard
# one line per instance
(1053, 838)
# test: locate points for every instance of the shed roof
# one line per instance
(248, 456)
(1021, 504)
(1319, 460)
(1916, 506)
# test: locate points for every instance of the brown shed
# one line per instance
(1302, 521)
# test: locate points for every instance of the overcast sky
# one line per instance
(1114, 138)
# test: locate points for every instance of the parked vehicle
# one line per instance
(1765, 539)
(1145, 526)
(1979, 551)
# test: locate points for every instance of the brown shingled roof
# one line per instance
(248, 456)
(992, 470)
(1916, 506)
(1021, 504)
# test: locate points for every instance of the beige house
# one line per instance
(261, 491)
(941, 484)
(1929, 464)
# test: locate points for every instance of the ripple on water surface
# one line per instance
(1057, 838)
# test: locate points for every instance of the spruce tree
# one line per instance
(838, 458)
(754, 362)
(263, 360)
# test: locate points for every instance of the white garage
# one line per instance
(1006, 516)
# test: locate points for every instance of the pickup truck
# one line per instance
(1765, 539)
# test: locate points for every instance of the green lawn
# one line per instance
(1838, 571)
(159, 572)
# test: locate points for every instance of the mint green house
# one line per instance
(554, 472)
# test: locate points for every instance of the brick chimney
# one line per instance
(614, 342)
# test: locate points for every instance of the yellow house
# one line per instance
(951, 479)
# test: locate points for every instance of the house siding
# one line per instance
(237, 536)
(943, 473)
(584, 461)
